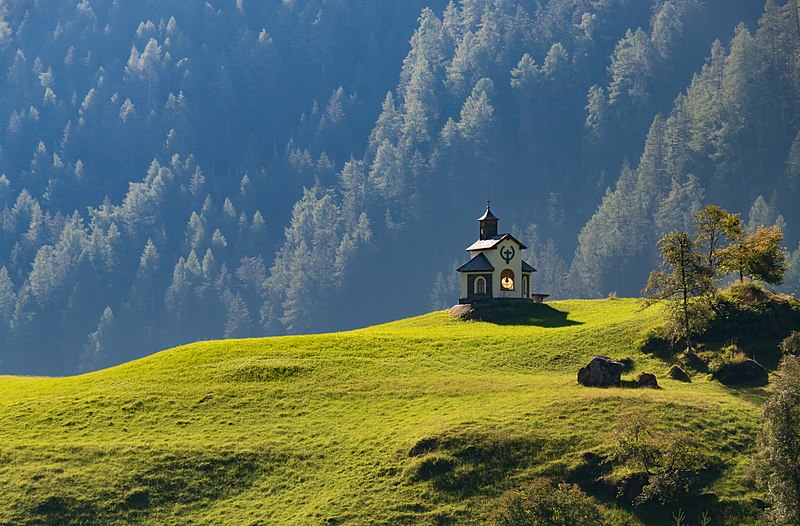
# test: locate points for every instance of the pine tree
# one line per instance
(477, 115)
(596, 112)
(759, 214)
(792, 170)
(388, 125)
(791, 280)
(334, 110)
(177, 298)
(8, 305)
(96, 352)
(677, 208)
(438, 298)
(385, 174)
(630, 69)
(237, 316)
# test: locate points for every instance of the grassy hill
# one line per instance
(422, 421)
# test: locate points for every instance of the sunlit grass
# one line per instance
(317, 429)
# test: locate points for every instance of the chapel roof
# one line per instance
(479, 263)
(527, 268)
(488, 215)
(492, 242)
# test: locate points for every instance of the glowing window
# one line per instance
(507, 279)
(480, 285)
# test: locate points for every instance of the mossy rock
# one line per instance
(677, 373)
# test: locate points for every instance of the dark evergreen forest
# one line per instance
(177, 171)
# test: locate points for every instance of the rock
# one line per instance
(743, 371)
(601, 372)
(647, 380)
(750, 369)
(676, 373)
(462, 311)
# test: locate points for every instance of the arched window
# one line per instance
(480, 285)
(507, 279)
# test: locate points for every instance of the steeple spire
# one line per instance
(488, 222)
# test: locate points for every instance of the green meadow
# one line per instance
(427, 420)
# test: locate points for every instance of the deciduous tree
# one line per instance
(759, 255)
(680, 279)
(716, 228)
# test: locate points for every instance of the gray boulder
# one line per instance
(462, 311)
(602, 371)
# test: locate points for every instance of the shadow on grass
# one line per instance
(470, 464)
(169, 480)
(751, 392)
(537, 314)
(592, 476)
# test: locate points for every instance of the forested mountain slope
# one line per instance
(176, 171)
(151, 155)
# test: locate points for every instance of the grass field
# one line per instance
(318, 429)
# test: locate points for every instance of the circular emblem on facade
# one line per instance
(507, 253)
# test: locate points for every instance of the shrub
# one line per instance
(747, 294)
(700, 311)
(791, 344)
(665, 461)
(539, 503)
(778, 448)
(728, 358)
(732, 365)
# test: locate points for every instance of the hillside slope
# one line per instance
(318, 429)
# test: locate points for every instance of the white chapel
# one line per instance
(496, 270)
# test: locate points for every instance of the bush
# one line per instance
(777, 469)
(732, 365)
(747, 294)
(791, 344)
(664, 462)
(701, 315)
(728, 358)
(539, 503)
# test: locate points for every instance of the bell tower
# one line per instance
(488, 223)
